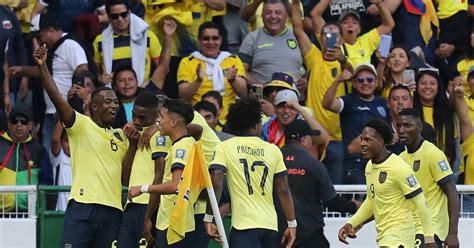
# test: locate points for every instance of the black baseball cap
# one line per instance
(21, 110)
(299, 128)
(41, 22)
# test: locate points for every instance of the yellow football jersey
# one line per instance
(187, 72)
(321, 76)
(96, 158)
(251, 165)
(467, 148)
(432, 169)
(209, 140)
(390, 185)
(363, 49)
(177, 158)
(143, 168)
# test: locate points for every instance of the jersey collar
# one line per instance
(182, 137)
(280, 34)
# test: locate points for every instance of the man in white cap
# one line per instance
(288, 109)
(354, 110)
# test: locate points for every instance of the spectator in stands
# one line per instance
(79, 95)
(323, 66)
(399, 98)
(12, 52)
(97, 187)
(209, 112)
(211, 69)
(310, 186)
(463, 66)
(66, 55)
(252, 13)
(280, 81)
(435, 177)
(125, 41)
(66, 12)
(391, 70)
(358, 49)
(25, 161)
(215, 98)
(431, 100)
(288, 109)
(354, 110)
(60, 155)
(280, 50)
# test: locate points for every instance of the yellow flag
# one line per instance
(195, 178)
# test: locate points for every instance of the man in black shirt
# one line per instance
(310, 186)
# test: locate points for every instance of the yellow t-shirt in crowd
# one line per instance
(177, 158)
(390, 185)
(143, 167)
(251, 165)
(467, 148)
(321, 75)
(96, 159)
(447, 8)
(187, 73)
(432, 170)
(363, 48)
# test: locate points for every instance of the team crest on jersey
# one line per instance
(160, 141)
(180, 153)
(382, 176)
(382, 111)
(443, 165)
(334, 72)
(411, 181)
(7, 24)
(292, 43)
(416, 165)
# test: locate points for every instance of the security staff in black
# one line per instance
(310, 186)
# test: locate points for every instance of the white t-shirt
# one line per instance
(67, 58)
(62, 175)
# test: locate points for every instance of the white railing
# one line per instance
(31, 190)
(465, 192)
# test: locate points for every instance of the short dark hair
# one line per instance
(243, 115)
(98, 90)
(399, 87)
(207, 106)
(79, 76)
(111, 3)
(121, 68)
(411, 112)
(181, 108)
(208, 25)
(214, 94)
(146, 100)
(382, 129)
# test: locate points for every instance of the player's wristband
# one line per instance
(429, 240)
(292, 223)
(208, 218)
(144, 188)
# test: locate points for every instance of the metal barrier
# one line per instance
(14, 191)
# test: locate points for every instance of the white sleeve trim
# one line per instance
(101, 8)
(342, 105)
(43, 3)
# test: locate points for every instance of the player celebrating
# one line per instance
(390, 184)
(94, 209)
(434, 173)
(253, 168)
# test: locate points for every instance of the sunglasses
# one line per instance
(208, 38)
(367, 79)
(116, 16)
(435, 70)
(22, 121)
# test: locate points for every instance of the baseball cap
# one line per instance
(365, 66)
(21, 110)
(285, 96)
(299, 128)
(41, 22)
(281, 80)
(349, 13)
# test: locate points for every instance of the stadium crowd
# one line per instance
(100, 94)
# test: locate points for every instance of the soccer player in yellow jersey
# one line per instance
(435, 176)
(253, 168)
(392, 192)
(146, 163)
(175, 115)
(94, 209)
